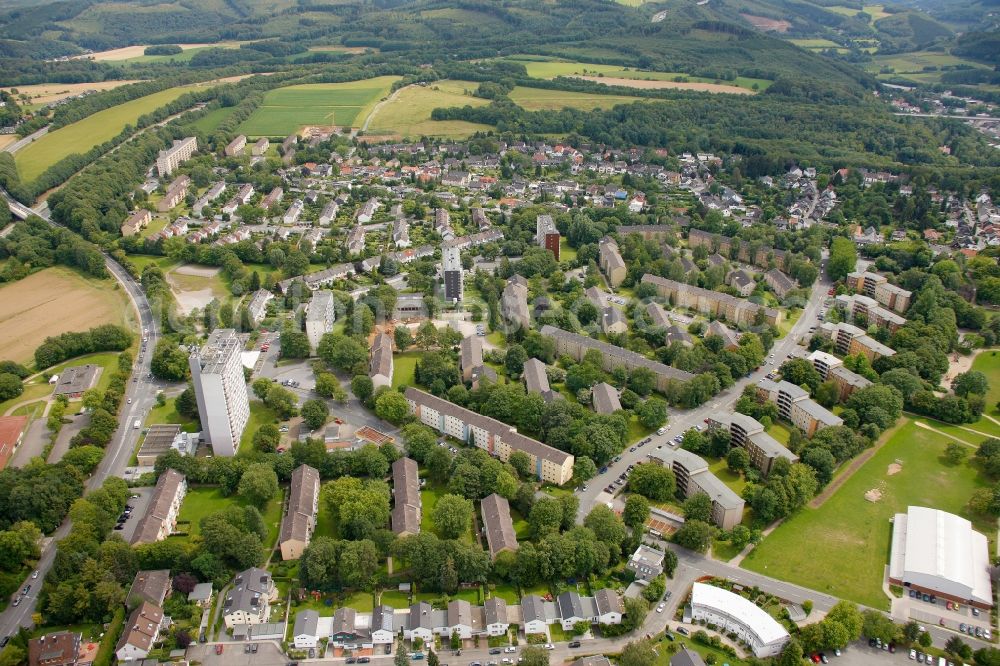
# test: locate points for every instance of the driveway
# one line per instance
(33, 445)
(69, 430)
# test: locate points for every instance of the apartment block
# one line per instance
(657, 232)
(136, 222)
(734, 248)
(257, 309)
(514, 303)
(795, 406)
(175, 194)
(611, 261)
(236, 146)
(849, 339)
(498, 524)
(693, 477)
(221, 391)
(847, 382)
(748, 433)
(878, 287)
(407, 505)
(380, 360)
(779, 283)
(536, 380)
(546, 234)
(451, 270)
(497, 438)
(613, 357)
(320, 316)
(273, 197)
(260, 147)
(181, 151)
(824, 362)
(241, 197)
(293, 213)
(713, 303)
(860, 306)
(210, 195)
(164, 507)
(299, 520)
(329, 213)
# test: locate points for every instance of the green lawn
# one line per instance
(780, 432)
(731, 479)
(566, 253)
(506, 592)
(32, 392)
(140, 261)
(286, 110)
(213, 119)
(429, 496)
(663, 650)
(842, 547)
(362, 602)
(81, 136)
(201, 501)
(168, 414)
(403, 367)
(259, 415)
(636, 430)
(395, 598)
(988, 362)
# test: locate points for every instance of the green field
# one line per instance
(988, 362)
(408, 113)
(259, 415)
(81, 136)
(540, 68)
(213, 119)
(168, 414)
(842, 547)
(912, 65)
(538, 99)
(403, 367)
(287, 110)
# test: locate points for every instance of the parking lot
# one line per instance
(139, 506)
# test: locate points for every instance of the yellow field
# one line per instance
(408, 112)
(7, 139)
(128, 52)
(81, 136)
(53, 301)
(550, 69)
(537, 99)
(45, 93)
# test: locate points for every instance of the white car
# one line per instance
(659, 609)
(510, 650)
(550, 646)
(660, 431)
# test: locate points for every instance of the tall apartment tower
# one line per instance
(319, 317)
(451, 261)
(221, 391)
(171, 158)
(546, 234)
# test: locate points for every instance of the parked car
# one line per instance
(495, 651)
(683, 631)
(510, 650)
(218, 648)
(574, 644)
(659, 609)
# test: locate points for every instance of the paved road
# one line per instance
(140, 397)
(21, 143)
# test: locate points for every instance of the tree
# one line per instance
(955, 453)
(534, 655)
(282, 401)
(925, 640)
(652, 412)
(694, 535)
(186, 403)
(801, 372)
(401, 658)
(698, 507)
(638, 653)
(584, 469)
(971, 382)
(655, 589)
(258, 484)
(652, 481)
(362, 387)
(326, 384)
(792, 654)
(738, 460)
(392, 407)
(315, 413)
(452, 515)
(341, 352)
(545, 516)
(875, 624)
(514, 360)
(955, 645)
(521, 462)
(294, 343)
(169, 361)
(11, 386)
(267, 438)
(636, 511)
(402, 337)
(843, 258)
(607, 527)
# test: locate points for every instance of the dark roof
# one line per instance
(570, 605)
(301, 504)
(499, 526)
(152, 586)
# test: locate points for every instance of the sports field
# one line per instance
(408, 112)
(81, 136)
(550, 69)
(53, 301)
(842, 547)
(287, 110)
(538, 99)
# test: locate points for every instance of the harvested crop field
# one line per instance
(678, 85)
(53, 301)
(45, 93)
(767, 24)
(540, 99)
(408, 111)
(138, 51)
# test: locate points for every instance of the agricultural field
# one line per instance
(46, 93)
(408, 112)
(538, 99)
(53, 301)
(136, 53)
(818, 45)
(842, 547)
(287, 110)
(550, 69)
(912, 65)
(81, 136)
